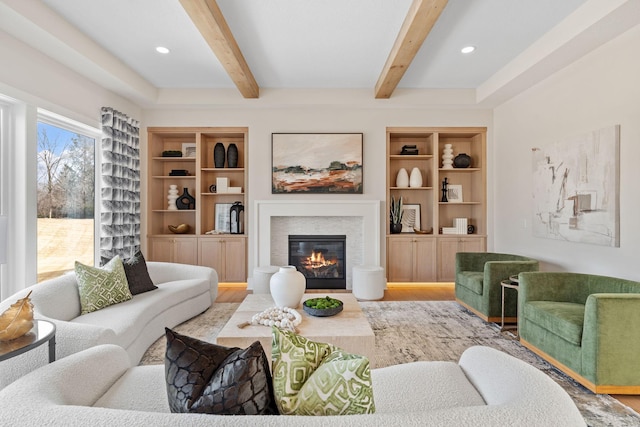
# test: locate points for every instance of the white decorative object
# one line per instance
(172, 197)
(402, 179)
(262, 278)
(447, 157)
(284, 318)
(287, 287)
(222, 184)
(415, 179)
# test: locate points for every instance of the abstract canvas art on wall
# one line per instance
(316, 163)
(576, 189)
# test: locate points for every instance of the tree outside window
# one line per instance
(65, 205)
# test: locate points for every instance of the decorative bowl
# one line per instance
(309, 307)
(179, 229)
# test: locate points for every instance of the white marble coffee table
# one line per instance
(348, 330)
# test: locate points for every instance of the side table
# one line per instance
(511, 283)
(42, 331)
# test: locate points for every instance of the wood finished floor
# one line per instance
(413, 292)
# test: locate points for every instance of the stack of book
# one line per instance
(409, 149)
(459, 227)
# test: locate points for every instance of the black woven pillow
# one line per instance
(137, 274)
(208, 378)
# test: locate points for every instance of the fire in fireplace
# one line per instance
(321, 259)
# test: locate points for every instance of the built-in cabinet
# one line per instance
(195, 172)
(411, 259)
(447, 248)
(429, 255)
(226, 255)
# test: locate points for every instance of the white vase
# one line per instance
(287, 287)
(415, 179)
(402, 179)
(172, 197)
(447, 157)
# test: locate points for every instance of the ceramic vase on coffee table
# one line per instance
(287, 287)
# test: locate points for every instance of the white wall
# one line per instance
(30, 80)
(372, 122)
(599, 90)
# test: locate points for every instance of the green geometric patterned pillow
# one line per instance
(312, 378)
(101, 287)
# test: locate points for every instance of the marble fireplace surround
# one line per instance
(359, 219)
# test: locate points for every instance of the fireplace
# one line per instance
(320, 258)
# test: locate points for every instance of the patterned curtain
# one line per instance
(120, 214)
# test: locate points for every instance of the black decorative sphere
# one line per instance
(462, 160)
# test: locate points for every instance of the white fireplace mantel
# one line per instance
(368, 210)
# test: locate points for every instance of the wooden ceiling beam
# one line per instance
(420, 19)
(208, 18)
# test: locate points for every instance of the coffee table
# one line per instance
(348, 329)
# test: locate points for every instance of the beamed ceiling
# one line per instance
(381, 46)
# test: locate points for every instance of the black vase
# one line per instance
(185, 200)
(232, 156)
(462, 160)
(218, 155)
(395, 228)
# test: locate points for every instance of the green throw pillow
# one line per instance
(101, 287)
(312, 378)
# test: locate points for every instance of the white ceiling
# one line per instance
(301, 44)
(314, 43)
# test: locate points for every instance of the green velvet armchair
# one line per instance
(478, 277)
(587, 326)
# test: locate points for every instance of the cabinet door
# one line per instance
(400, 259)
(235, 264)
(161, 249)
(185, 251)
(211, 254)
(447, 249)
(472, 245)
(424, 259)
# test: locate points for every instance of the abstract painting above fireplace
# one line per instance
(320, 258)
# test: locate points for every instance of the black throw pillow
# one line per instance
(208, 378)
(137, 274)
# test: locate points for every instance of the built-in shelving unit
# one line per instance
(415, 257)
(224, 252)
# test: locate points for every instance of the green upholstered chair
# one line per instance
(587, 326)
(478, 277)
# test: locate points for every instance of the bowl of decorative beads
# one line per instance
(322, 307)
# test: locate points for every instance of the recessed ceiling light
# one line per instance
(162, 49)
(468, 49)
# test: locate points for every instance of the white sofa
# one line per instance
(97, 387)
(184, 291)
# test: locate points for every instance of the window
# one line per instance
(66, 194)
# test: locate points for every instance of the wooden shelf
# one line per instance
(431, 257)
(174, 159)
(410, 188)
(410, 156)
(226, 253)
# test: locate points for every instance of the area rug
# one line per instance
(408, 331)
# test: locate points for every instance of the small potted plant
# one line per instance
(395, 215)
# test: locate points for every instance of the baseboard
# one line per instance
(241, 285)
(397, 285)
